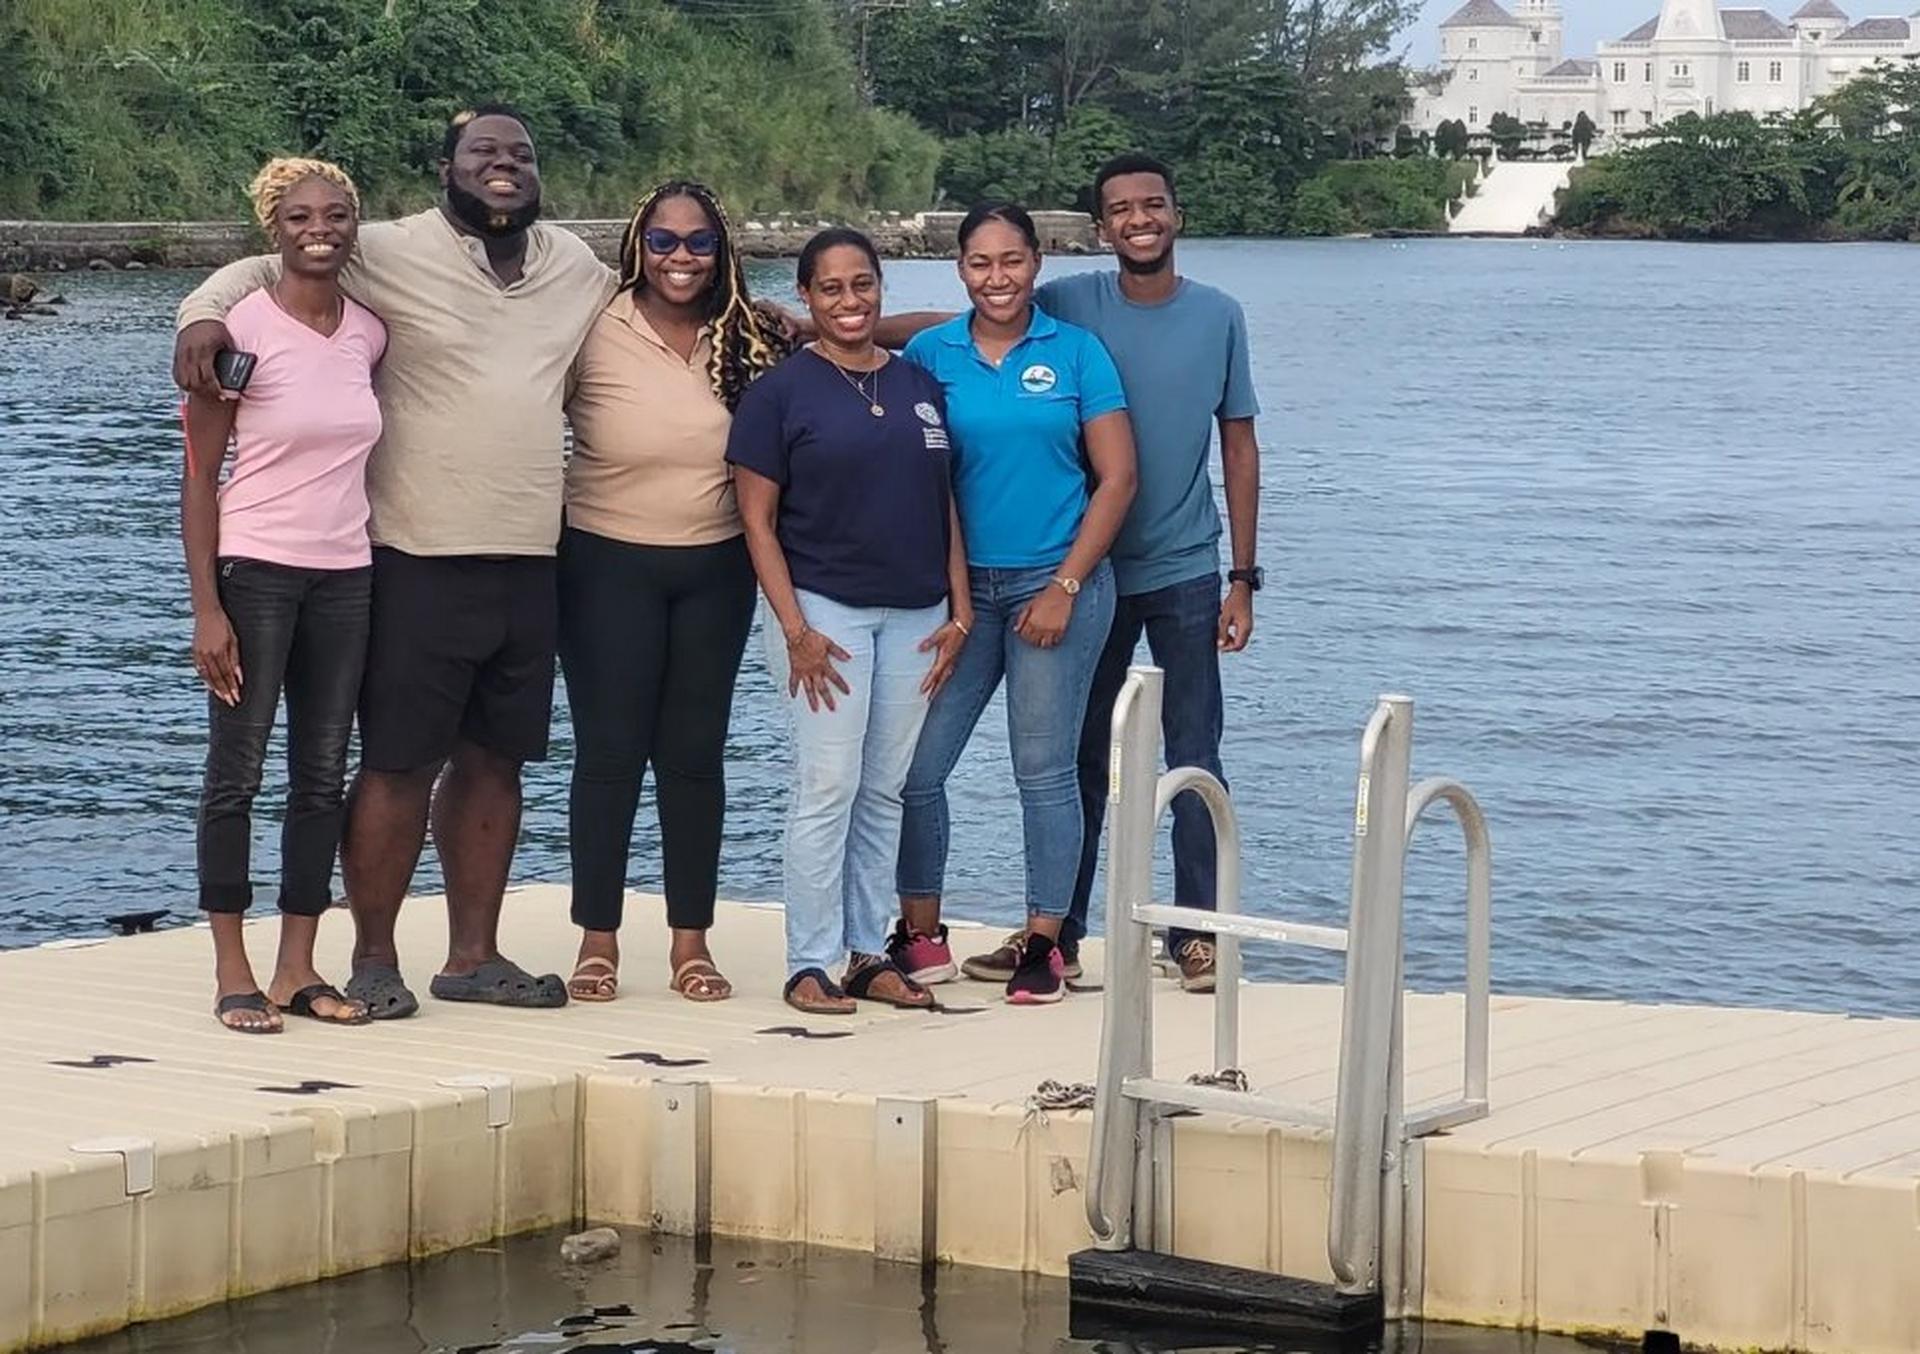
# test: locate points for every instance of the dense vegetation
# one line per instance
(140, 109)
(1246, 98)
(1847, 168)
(1350, 197)
(143, 109)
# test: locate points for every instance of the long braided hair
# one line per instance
(745, 342)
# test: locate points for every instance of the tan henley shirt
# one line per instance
(471, 459)
(649, 438)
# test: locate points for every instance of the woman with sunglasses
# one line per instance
(656, 589)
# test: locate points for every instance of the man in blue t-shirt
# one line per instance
(1181, 348)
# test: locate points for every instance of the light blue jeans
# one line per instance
(843, 814)
(1046, 702)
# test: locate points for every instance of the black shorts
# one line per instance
(461, 647)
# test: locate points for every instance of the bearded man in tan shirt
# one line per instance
(485, 308)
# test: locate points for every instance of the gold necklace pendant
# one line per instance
(874, 407)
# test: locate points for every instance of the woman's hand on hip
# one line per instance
(945, 645)
(810, 656)
(216, 655)
(1043, 621)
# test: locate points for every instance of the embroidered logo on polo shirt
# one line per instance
(1038, 379)
(928, 414)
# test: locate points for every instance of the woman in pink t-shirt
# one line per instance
(280, 568)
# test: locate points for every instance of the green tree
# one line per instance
(1242, 149)
(1507, 132)
(135, 108)
(1583, 133)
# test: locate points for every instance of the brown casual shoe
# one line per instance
(1196, 966)
(999, 965)
(1003, 963)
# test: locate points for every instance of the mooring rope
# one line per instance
(1078, 1095)
(1060, 1095)
(1226, 1079)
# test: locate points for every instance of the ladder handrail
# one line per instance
(1226, 855)
(1126, 1025)
(1479, 977)
(1369, 1121)
(1370, 1006)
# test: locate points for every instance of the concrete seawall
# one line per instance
(58, 246)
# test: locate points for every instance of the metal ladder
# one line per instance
(1373, 1230)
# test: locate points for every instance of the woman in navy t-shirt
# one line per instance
(842, 456)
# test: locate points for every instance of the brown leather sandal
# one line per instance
(594, 979)
(699, 980)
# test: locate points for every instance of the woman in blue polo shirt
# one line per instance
(1043, 474)
(842, 458)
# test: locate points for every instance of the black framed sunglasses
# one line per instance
(702, 243)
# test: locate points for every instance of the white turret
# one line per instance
(1545, 29)
(1695, 19)
(1819, 20)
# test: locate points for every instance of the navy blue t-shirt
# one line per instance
(863, 502)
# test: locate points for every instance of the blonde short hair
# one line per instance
(278, 175)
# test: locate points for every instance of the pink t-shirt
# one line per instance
(296, 492)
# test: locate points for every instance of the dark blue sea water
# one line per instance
(1638, 526)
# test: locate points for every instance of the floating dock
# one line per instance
(1741, 1178)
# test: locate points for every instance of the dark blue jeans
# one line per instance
(304, 631)
(1181, 623)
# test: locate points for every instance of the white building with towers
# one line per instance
(1691, 57)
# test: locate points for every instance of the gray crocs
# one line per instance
(383, 991)
(502, 983)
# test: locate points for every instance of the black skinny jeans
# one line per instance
(650, 643)
(304, 630)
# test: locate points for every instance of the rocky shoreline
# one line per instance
(61, 246)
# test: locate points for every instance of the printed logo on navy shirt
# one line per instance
(1038, 379)
(928, 414)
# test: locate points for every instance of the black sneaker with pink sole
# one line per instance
(1041, 978)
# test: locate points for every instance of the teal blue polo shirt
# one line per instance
(1019, 468)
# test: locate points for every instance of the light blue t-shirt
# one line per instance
(1019, 470)
(1183, 364)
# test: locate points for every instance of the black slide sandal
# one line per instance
(860, 984)
(246, 1001)
(301, 1004)
(832, 1000)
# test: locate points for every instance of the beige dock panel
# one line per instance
(1744, 1178)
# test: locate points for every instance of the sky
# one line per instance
(1589, 23)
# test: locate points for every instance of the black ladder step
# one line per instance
(1116, 1291)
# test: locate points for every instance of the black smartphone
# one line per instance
(233, 369)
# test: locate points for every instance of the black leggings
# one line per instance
(650, 643)
(304, 631)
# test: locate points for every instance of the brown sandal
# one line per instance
(699, 980)
(594, 979)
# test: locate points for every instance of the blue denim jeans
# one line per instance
(1181, 622)
(1046, 700)
(843, 814)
